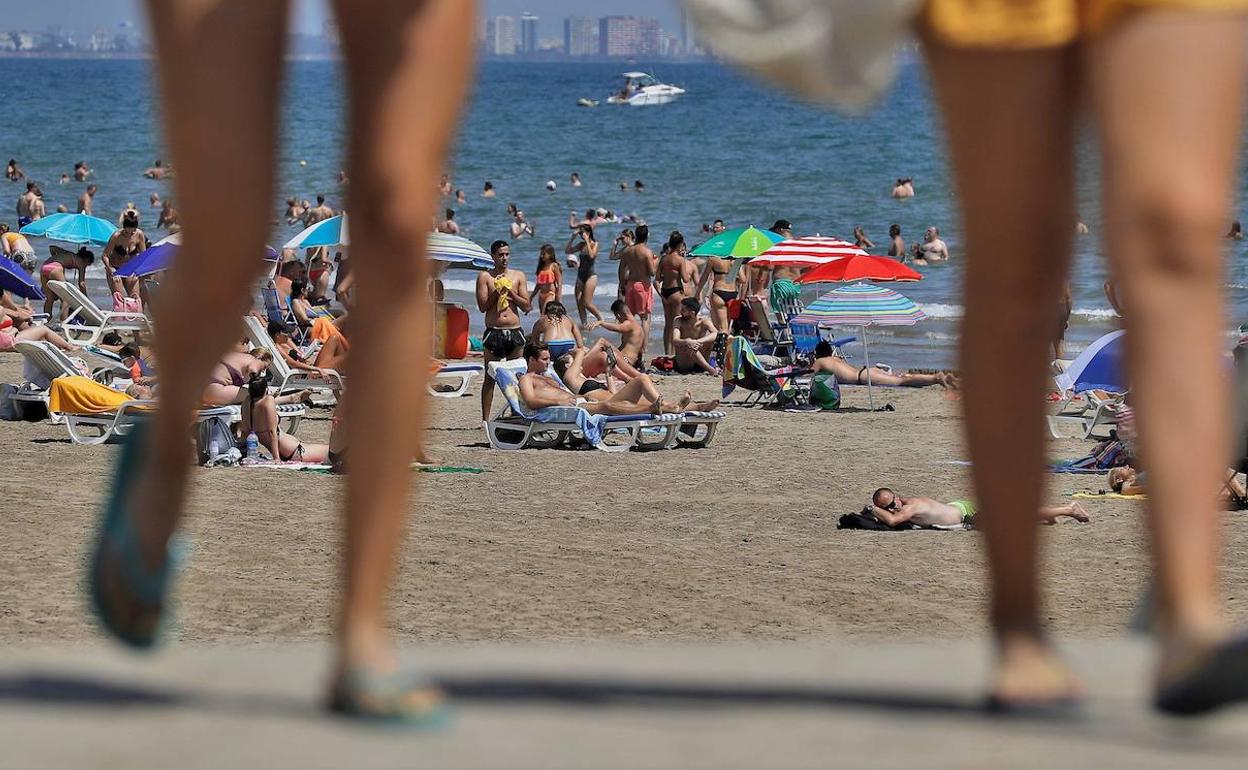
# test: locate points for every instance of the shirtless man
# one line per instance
(25, 204)
(520, 227)
(631, 331)
(318, 213)
(82, 171)
(896, 245)
(168, 216)
(86, 199)
(932, 249)
(893, 509)
(61, 261)
(693, 337)
(500, 293)
(903, 188)
(157, 171)
(638, 266)
(449, 225)
(295, 211)
(539, 390)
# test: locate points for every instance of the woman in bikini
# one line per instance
(557, 330)
(123, 246)
(585, 246)
(549, 276)
(673, 270)
(722, 290)
(54, 270)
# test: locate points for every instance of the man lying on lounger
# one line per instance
(893, 509)
(538, 390)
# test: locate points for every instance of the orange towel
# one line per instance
(323, 328)
(82, 395)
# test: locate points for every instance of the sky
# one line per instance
(88, 15)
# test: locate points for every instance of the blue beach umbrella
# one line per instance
(1101, 366)
(15, 280)
(160, 257)
(327, 232)
(456, 251)
(72, 228)
(864, 305)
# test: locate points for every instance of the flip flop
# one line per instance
(117, 548)
(405, 698)
(1221, 679)
(1059, 710)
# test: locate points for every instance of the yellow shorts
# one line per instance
(1022, 24)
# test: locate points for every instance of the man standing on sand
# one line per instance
(893, 509)
(628, 327)
(692, 339)
(638, 266)
(932, 249)
(500, 292)
(86, 199)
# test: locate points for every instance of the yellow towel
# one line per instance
(1109, 495)
(82, 395)
(503, 283)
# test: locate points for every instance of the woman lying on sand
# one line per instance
(847, 374)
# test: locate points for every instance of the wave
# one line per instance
(941, 311)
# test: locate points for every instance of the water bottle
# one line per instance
(214, 450)
(253, 448)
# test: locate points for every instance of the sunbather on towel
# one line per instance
(569, 369)
(260, 416)
(847, 374)
(893, 509)
(1126, 480)
(538, 390)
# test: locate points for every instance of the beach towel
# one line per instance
(82, 395)
(1103, 495)
(742, 367)
(591, 425)
(783, 294)
(326, 468)
(1108, 454)
(865, 520)
(323, 328)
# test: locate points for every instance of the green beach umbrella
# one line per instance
(738, 243)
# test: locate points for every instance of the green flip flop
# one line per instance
(403, 698)
(117, 548)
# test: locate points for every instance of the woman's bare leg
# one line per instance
(408, 66)
(671, 305)
(1010, 124)
(211, 52)
(587, 299)
(44, 334)
(1168, 187)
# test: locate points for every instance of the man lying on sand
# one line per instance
(538, 390)
(893, 509)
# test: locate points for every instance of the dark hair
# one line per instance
(562, 363)
(297, 288)
(130, 218)
(554, 307)
(290, 267)
(618, 306)
(128, 349)
(689, 303)
(30, 185)
(111, 338)
(642, 233)
(496, 245)
(92, 188)
(276, 328)
(86, 255)
(320, 199)
(588, 231)
(546, 255)
(675, 240)
(591, 213)
(781, 224)
(894, 229)
(534, 349)
(823, 349)
(639, 184)
(718, 222)
(450, 213)
(489, 185)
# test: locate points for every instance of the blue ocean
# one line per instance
(729, 149)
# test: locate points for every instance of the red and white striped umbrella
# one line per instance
(807, 252)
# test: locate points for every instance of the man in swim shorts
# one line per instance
(893, 509)
(538, 390)
(692, 340)
(638, 266)
(500, 292)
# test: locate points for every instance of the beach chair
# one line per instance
(781, 387)
(1088, 410)
(772, 338)
(285, 378)
(517, 427)
(44, 362)
(276, 312)
(452, 380)
(86, 323)
(94, 414)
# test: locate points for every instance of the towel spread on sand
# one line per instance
(323, 468)
(82, 395)
(1110, 495)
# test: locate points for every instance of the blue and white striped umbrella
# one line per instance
(458, 252)
(72, 228)
(327, 232)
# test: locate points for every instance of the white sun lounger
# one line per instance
(285, 377)
(86, 323)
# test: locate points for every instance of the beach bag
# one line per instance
(8, 410)
(839, 52)
(214, 430)
(825, 393)
(123, 304)
(664, 364)
(866, 520)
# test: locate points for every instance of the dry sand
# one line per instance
(734, 542)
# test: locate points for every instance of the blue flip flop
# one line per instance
(117, 548)
(403, 698)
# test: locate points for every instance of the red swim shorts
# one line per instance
(640, 297)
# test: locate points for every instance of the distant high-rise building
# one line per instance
(580, 36)
(628, 36)
(528, 33)
(502, 39)
(687, 42)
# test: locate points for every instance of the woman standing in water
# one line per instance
(407, 64)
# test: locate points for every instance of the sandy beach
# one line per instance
(734, 542)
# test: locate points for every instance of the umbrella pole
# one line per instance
(866, 355)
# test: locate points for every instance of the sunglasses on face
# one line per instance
(892, 506)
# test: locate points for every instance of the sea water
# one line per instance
(729, 149)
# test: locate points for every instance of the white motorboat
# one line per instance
(644, 90)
